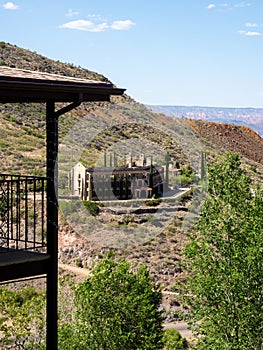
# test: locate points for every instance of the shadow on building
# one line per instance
(135, 180)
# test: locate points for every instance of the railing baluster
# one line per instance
(18, 212)
(43, 211)
(34, 212)
(23, 212)
(8, 215)
(10, 190)
(26, 212)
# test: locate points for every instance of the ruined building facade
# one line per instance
(132, 181)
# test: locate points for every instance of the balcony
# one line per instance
(23, 244)
(28, 217)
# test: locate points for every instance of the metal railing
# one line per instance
(22, 213)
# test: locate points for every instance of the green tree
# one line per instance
(117, 308)
(224, 260)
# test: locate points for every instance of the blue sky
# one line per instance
(177, 52)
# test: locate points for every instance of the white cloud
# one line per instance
(228, 5)
(122, 25)
(96, 17)
(219, 7)
(10, 6)
(84, 25)
(91, 26)
(251, 25)
(243, 4)
(211, 6)
(71, 13)
(249, 33)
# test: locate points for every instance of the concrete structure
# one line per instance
(132, 181)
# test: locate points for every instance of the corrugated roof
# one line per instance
(19, 85)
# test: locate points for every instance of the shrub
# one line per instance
(153, 202)
(92, 207)
(173, 340)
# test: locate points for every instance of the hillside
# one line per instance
(229, 137)
(121, 126)
(23, 125)
(16, 57)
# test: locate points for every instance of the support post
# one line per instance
(52, 225)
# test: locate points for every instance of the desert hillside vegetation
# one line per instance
(119, 125)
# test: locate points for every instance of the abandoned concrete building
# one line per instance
(135, 180)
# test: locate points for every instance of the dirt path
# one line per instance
(77, 270)
(182, 328)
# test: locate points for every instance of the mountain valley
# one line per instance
(121, 126)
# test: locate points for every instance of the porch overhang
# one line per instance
(18, 85)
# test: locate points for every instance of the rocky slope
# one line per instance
(229, 137)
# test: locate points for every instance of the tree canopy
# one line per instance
(116, 308)
(224, 260)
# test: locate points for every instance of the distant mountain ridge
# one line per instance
(251, 117)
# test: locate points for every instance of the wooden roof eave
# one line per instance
(14, 91)
(18, 85)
